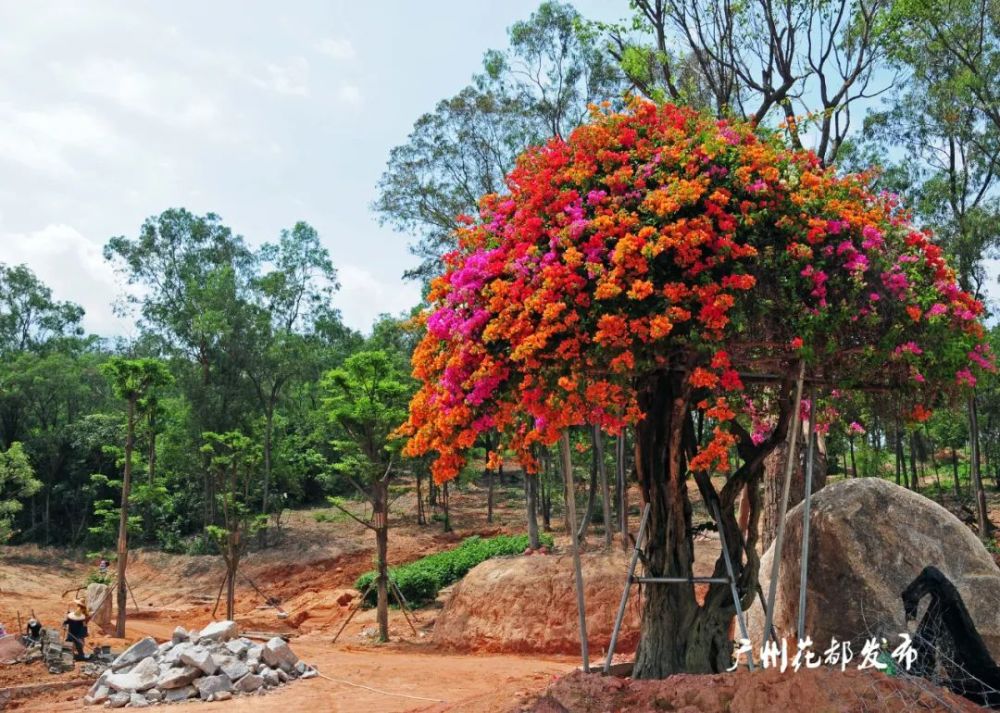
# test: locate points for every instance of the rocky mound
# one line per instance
(211, 665)
(868, 540)
(528, 604)
(821, 689)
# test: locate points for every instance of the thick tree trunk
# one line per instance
(667, 644)
(914, 480)
(546, 491)
(774, 474)
(123, 522)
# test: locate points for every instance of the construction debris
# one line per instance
(214, 664)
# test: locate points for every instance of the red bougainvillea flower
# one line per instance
(660, 239)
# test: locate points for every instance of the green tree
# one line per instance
(29, 318)
(132, 380)
(17, 481)
(234, 458)
(366, 401)
(539, 87)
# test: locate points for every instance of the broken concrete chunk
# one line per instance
(135, 653)
(219, 631)
(200, 657)
(142, 677)
(180, 694)
(178, 677)
(277, 654)
(180, 635)
(209, 685)
(249, 683)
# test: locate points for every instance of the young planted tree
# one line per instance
(131, 380)
(366, 401)
(17, 482)
(645, 273)
(233, 458)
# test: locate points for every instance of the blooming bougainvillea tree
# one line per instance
(655, 270)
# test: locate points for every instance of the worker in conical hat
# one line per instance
(75, 625)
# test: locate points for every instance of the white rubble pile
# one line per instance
(213, 664)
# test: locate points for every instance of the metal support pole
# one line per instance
(793, 439)
(732, 579)
(628, 587)
(806, 509)
(574, 546)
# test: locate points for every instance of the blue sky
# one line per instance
(264, 113)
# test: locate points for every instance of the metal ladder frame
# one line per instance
(730, 579)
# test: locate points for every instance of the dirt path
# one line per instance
(434, 682)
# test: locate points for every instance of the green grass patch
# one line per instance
(420, 581)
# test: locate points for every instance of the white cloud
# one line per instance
(337, 47)
(349, 94)
(290, 77)
(40, 139)
(73, 267)
(363, 296)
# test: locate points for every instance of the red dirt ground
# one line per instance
(311, 571)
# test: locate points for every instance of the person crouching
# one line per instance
(76, 628)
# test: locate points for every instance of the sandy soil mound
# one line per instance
(744, 692)
(528, 604)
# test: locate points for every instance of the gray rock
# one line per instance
(178, 677)
(200, 657)
(238, 647)
(165, 647)
(300, 667)
(119, 700)
(868, 540)
(137, 700)
(180, 694)
(222, 696)
(174, 655)
(135, 653)
(249, 683)
(219, 631)
(154, 695)
(142, 677)
(180, 635)
(284, 677)
(97, 695)
(277, 654)
(101, 682)
(235, 669)
(270, 677)
(309, 673)
(209, 685)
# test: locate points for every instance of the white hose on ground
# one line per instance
(376, 690)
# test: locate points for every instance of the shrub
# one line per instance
(420, 581)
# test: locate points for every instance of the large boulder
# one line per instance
(528, 604)
(868, 540)
(142, 649)
(219, 631)
(142, 677)
(99, 605)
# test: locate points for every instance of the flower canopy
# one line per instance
(661, 239)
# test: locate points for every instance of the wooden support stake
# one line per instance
(793, 440)
(575, 548)
(354, 610)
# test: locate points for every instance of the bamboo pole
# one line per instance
(575, 549)
(793, 432)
